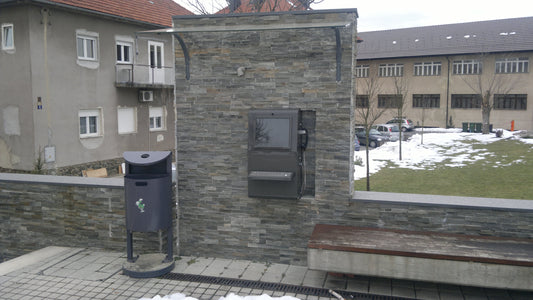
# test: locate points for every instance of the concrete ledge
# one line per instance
(437, 200)
(423, 256)
(422, 269)
(62, 180)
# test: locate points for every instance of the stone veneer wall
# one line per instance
(283, 68)
(112, 166)
(449, 214)
(41, 210)
(38, 211)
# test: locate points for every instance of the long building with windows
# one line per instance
(441, 72)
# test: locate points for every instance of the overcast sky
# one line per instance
(380, 15)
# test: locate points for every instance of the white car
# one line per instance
(407, 125)
(389, 130)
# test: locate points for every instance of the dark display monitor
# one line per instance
(274, 168)
(272, 133)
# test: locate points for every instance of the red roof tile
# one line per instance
(158, 12)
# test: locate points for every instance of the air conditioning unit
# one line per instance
(146, 96)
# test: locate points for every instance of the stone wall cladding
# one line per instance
(289, 68)
(513, 223)
(39, 214)
(112, 166)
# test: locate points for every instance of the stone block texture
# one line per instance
(36, 214)
(283, 68)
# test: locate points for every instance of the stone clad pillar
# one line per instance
(227, 65)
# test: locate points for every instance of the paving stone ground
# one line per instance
(81, 273)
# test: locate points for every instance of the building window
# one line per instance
(427, 69)
(512, 65)
(124, 51)
(87, 47)
(466, 101)
(8, 40)
(389, 101)
(466, 67)
(127, 120)
(510, 102)
(391, 70)
(426, 100)
(90, 123)
(361, 101)
(157, 118)
(361, 71)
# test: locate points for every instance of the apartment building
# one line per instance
(443, 71)
(80, 82)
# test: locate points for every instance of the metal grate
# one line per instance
(272, 286)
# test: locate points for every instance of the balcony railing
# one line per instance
(143, 76)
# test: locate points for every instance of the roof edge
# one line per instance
(292, 12)
(362, 58)
(83, 10)
(445, 24)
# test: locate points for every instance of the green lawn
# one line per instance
(506, 174)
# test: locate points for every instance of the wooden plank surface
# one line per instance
(423, 244)
(101, 173)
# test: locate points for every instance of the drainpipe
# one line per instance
(45, 13)
(175, 102)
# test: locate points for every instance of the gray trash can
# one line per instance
(148, 188)
(148, 203)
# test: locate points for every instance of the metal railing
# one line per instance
(135, 74)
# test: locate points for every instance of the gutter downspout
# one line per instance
(176, 153)
(186, 55)
(47, 103)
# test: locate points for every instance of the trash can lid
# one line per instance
(141, 158)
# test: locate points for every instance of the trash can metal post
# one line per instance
(148, 197)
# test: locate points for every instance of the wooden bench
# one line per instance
(423, 256)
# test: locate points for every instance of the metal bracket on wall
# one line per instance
(186, 55)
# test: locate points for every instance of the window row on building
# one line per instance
(87, 49)
(87, 46)
(459, 67)
(465, 101)
(91, 125)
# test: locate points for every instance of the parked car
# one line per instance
(389, 130)
(407, 125)
(375, 139)
(357, 145)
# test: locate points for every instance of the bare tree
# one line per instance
(367, 111)
(486, 86)
(204, 7)
(424, 102)
(399, 103)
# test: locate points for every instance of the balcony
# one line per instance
(143, 76)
